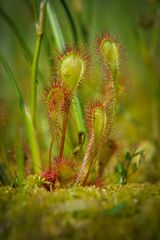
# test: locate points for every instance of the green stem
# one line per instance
(115, 103)
(39, 35)
(34, 77)
(32, 140)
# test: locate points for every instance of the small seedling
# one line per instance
(123, 168)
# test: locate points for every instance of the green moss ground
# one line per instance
(115, 212)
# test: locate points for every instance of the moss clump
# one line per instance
(116, 212)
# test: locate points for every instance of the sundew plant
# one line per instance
(79, 119)
(72, 67)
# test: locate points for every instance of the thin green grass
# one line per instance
(26, 118)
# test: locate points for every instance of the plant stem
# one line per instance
(115, 101)
(34, 76)
(89, 149)
(39, 35)
(32, 141)
(65, 122)
(114, 105)
(50, 151)
(88, 172)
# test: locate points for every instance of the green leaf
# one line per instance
(121, 169)
(128, 156)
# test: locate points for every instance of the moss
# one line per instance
(115, 212)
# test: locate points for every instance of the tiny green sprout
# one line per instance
(128, 167)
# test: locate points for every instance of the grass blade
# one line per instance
(26, 117)
(56, 30)
(69, 15)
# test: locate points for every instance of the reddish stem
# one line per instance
(89, 149)
(50, 152)
(88, 172)
(65, 122)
